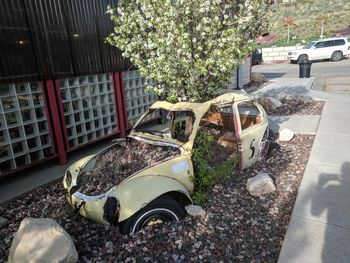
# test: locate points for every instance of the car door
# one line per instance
(322, 50)
(250, 131)
(329, 48)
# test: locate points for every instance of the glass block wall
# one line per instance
(136, 98)
(89, 108)
(24, 128)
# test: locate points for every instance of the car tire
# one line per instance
(302, 57)
(337, 56)
(161, 210)
(293, 61)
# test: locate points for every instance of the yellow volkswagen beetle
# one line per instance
(144, 179)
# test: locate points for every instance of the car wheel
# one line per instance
(302, 57)
(337, 56)
(293, 61)
(159, 211)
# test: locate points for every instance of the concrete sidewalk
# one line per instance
(319, 229)
(300, 124)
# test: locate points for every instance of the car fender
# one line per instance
(75, 168)
(136, 193)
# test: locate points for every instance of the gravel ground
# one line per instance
(237, 228)
(298, 107)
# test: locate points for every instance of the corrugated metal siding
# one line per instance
(42, 39)
(15, 43)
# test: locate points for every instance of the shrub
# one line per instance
(206, 175)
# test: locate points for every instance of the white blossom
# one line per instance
(192, 46)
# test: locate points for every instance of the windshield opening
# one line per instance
(176, 125)
(309, 45)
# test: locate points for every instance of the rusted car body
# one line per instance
(159, 192)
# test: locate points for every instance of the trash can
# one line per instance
(304, 68)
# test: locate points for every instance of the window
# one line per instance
(339, 42)
(172, 124)
(219, 123)
(319, 45)
(249, 115)
(309, 45)
(328, 44)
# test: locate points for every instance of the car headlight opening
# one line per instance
(68, 178)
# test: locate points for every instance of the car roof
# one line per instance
(327, 39)
(204, 106)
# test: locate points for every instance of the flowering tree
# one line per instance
(188, 47)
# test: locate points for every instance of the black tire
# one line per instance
(302, 57)
(337, 56)
(293, 61)
(159, 211)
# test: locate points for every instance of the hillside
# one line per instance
(307, 14)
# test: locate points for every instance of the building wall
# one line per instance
(54, 39)
(277, 53)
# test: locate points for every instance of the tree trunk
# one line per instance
(322, 30)
(288, 34)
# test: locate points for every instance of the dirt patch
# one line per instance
(121, 161)
(298, 107)
(238, 227)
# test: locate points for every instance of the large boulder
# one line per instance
(258, 79)
(42, 240)
(269, 103)
(260, 184)
(285, 135)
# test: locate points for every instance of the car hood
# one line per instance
(303, 50)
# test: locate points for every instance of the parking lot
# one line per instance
(322, 70)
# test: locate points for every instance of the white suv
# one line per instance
(331, 48)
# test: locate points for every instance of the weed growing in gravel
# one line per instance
(206, 173)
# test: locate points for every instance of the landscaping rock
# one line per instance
(260, 184)
(258, 79)
(3, 222)
(195, 210)
(269, 103)
(285, 135)
(305, 99)
(298, 107)
(42, 240)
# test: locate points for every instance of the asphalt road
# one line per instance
(322, 70)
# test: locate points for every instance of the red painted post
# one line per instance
(61, 113)
(56, 123)
(124, 100)
(120, 100)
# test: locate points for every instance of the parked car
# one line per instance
(145, 178)
(332, 48)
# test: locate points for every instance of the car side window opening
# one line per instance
(177, 125)
(219, 123)
(339, 42)
(249, 115)
(319, 45)
(309, 45)
(328, 43)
